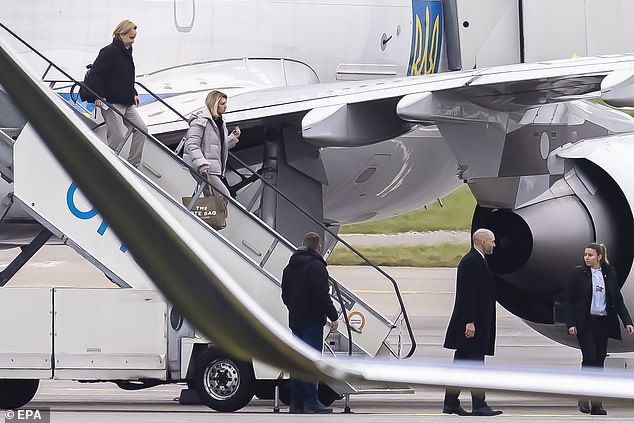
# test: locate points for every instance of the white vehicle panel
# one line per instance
(26, 343)
(109, 333)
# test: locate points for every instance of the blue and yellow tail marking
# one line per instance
(426, 37)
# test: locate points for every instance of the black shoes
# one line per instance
(593, 408)
(596, 409)
(455, 410)
(485, 411)
(482, 411)
(584, 407)
(316, 409)
(295, 409)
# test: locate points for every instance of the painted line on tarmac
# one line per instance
(383, 291)
(501, 415)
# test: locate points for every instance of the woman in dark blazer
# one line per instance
(594, 303)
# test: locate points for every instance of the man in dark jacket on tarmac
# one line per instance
(471, 330)
(305, 293)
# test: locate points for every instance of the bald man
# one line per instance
(471, 330)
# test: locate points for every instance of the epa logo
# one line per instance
(27, 415)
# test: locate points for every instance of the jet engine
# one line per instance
(542, 240)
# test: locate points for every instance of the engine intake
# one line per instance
(538, 245)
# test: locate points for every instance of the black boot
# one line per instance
(317, 408)
(584, 407)
(596, 409)
(296, 408)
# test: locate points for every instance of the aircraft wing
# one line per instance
(197, 284)
(352, 113)
(362, 112)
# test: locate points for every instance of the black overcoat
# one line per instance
(578, 299)
(112, 74)
(305, 290)
(474, 302)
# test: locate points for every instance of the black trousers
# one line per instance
(593, 341)
(478, 399)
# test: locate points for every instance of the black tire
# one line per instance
(16, 393)
(223, 383)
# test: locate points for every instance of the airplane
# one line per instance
(198, 284)
(489, 122)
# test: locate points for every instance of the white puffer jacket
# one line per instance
(203, 146)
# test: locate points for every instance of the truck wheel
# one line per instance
(223, 383)
(15, 393)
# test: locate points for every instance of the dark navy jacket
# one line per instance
(305, 290)
(578, 299)
(112, 74)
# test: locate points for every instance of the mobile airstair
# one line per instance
(251, 252)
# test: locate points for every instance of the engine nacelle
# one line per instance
(540, 242)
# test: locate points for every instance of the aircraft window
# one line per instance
(465, 24)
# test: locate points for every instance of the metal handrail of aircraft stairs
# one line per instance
(402, 313)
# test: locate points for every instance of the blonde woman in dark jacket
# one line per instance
(208, 141)
(113, 79)
(595, 304)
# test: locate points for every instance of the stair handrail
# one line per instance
(403, 311)
(171, 153)
(159, 144)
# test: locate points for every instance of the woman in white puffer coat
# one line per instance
(207, 142)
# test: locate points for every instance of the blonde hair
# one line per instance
(123, 28)
(212, 100)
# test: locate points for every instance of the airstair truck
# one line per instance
(125, 336)
(132, 336)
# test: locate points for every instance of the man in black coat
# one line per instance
(305, 293)
(112, 78)
(471, 330)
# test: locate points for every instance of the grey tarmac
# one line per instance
(428, 294)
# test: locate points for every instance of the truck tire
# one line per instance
(223, 383)
(15, 393)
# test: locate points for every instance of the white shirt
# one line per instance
(598, 307)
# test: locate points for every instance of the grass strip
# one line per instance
(455, 215)
(441, 255)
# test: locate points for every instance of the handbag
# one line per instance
(212, 210)
(84, 93)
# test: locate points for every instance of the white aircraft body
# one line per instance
(204, 288)
(549, 170)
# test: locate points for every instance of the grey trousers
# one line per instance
(116, 129)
